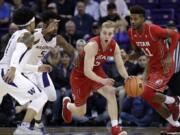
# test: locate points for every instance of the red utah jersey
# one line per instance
(152, 42)
(101, 56)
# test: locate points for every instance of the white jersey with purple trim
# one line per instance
(5, 61)
(34, 57)
(39, 49)
(22, 89)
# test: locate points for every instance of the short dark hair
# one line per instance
(137, 10)
(46, 16)
(22, 16)
(111, 6)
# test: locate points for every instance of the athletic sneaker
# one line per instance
(40, 127)
(171, 130)
(117, 130)
(175, 108)
(66, 114)
(21, 130)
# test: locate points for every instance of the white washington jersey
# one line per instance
(39, 49)
(5, 61)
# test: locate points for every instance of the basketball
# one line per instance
(133, 87)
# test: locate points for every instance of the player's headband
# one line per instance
(26, 24)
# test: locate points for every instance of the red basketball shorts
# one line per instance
(82, 86)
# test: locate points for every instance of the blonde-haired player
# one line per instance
(88, 76)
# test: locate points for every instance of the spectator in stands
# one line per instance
(53, 7)
(94, 32)
(80, 45)
(82, 20)
(17, 4)
(41, 5)
(5, 38)
(5, 14)
(60, 77)
(121, 35)
(140, 65)
(172, 25)
(92, 8)
(111, 14)
(71, 34)
(66, 11)
(122, 8)
(135, 111)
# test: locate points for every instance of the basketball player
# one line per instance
(45, 39)
(149, 38)
(12, 81)
(88, 76)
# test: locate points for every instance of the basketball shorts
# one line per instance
(82, 86)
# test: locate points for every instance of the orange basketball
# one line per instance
(133, 87)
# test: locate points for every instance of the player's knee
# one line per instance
(149, 95)
(109, 92)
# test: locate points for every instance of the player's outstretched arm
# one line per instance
(119, 63)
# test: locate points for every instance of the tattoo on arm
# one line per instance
(27, 38)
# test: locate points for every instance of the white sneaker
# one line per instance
(40, 127)
(21, 130)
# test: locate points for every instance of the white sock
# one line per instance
(169, 100)
(114, 123)
(25, 124)
(172, 122)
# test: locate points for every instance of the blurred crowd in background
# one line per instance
(79, 21)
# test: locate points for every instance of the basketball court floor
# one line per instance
(90, 131)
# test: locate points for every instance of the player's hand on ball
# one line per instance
(129, 77)
(45, 68)
(108, 81)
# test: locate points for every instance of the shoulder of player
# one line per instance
(153, 26)
(91, 46)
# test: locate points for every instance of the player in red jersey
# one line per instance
(88, 76)
(149, 38)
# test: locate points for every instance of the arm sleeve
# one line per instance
(28, 67)
(18, 53)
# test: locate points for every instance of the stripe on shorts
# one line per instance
(46, 82)
(12, 83)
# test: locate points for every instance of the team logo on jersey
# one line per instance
(159, 82)
(143, 44)
(101, 57)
